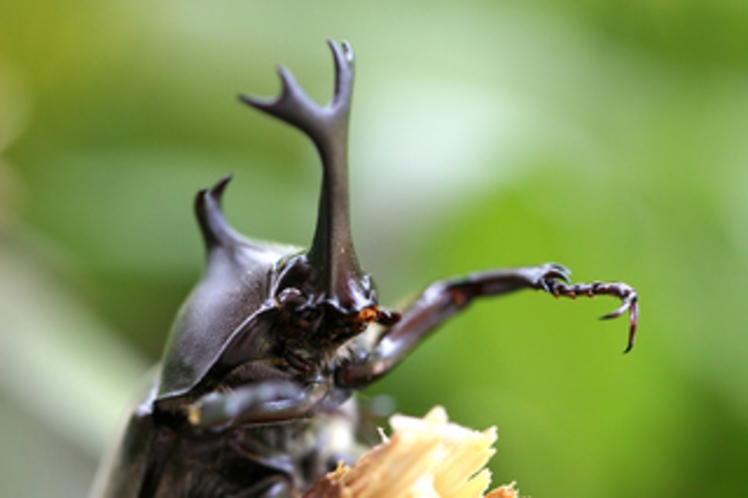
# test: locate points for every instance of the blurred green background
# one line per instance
(609, 136)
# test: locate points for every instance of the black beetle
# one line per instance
(254, 395)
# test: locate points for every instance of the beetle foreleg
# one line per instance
(443, 299)
(269, 401)
(620, 290)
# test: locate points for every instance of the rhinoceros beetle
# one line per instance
(254, 395)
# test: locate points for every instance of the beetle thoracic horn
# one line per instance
(332, 252)
(216, 231)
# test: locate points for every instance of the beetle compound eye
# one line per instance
(291, 298)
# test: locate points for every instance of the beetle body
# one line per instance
(254, 394)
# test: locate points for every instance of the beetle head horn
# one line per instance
(332, 254)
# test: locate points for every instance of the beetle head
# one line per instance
(331, 257)
(325, 290)
(260, 301)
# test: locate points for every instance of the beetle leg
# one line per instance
(443, 299)
(624, 292)
(269, 401)
(273, 487)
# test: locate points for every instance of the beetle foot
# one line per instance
(549, 275)
(622, 291)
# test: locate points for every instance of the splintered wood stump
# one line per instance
(427, 457)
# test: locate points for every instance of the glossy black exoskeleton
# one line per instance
(253, 398)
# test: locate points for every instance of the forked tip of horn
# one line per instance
(343, 49)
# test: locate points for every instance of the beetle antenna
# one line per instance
(332, 252)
